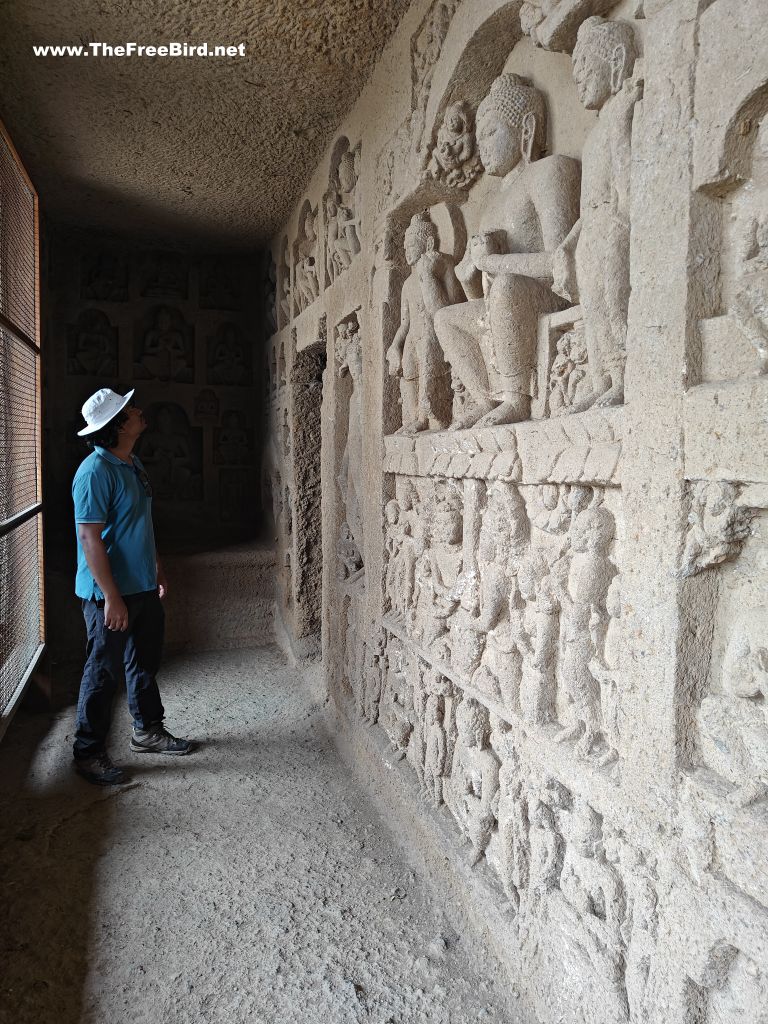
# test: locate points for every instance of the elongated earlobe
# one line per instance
(618, 65)
(528, 136)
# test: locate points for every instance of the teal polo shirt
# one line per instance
(108, 490)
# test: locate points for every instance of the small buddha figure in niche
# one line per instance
(592, 265)
(307, 286)
(415, 354)
(165, 354)
(343, 220)
(506, 271)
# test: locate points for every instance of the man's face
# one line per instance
(591, 75)
(135, 425)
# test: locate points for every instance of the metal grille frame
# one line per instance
(22, 598)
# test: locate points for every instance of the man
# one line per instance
(121, 585)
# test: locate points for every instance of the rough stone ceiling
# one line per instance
(212, 151)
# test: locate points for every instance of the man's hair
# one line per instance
(108, 436)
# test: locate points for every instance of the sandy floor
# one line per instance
(251, 881)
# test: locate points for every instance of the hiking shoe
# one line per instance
(99, 770)
(157, 740)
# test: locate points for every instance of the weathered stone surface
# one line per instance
(544, 484)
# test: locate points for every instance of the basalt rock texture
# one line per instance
(201, 148)
(534, 266)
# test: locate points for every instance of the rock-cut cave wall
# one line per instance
(519, 477)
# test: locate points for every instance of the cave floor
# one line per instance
(251, 881)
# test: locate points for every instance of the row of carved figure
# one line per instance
(552, 233)
(164, 349)
(554, 855)
(542, 843)
(525, 607)
(341, 205)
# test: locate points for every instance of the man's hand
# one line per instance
(115, 613)
(162, 583)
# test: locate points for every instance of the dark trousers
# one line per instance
(113, 655)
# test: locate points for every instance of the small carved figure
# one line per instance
(512, 816)
(435, 749)
(285, 287)
(583, 609)
(455, 160)
(570, 387)
(232, 442)
(92, 345)
(349, 358)
(104, 276)
(165, 354)
(594, 892)
(733, 724)
(307, 286)
(474, 777)
(343, 225)
(228, 362)
(507, 269)
(606, 670)
(717, 526)
(592, 265)
(167, 448)
(542, 627)
(165, 276)
(415, 354)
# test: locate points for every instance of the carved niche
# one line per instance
(164, 275)
(172, 451)
(306, 259)
(164, 349)
(342, 210)
(104, 276)
(92, 345)
(349, 479)
(228, 357)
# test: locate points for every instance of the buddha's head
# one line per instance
(511, 124)
(420, 238)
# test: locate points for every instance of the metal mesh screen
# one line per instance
(21, 623)
(18, 426)
(20, 633)
(18, 258)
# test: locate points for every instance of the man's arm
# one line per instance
(115, 610)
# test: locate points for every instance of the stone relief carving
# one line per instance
(270, 294)
(232, 440)
(744, 262)
(569, 387)
(349, 361)
(284, 287)
(717, 526)
(172, 451)
(166, 350)
(342, 211)
(229, 358)
(306, 260)
(415, 354)
(490, 341)
(591, 267)
(733, 721)
(165, 275)
(474, 781)
(104, 276)
(455, 160)
(92, 345)
(426, 46)
(220, 285)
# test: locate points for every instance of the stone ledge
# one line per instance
(584, 448)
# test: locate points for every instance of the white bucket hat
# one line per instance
(102, 407)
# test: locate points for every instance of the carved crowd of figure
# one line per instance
(529, 615)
